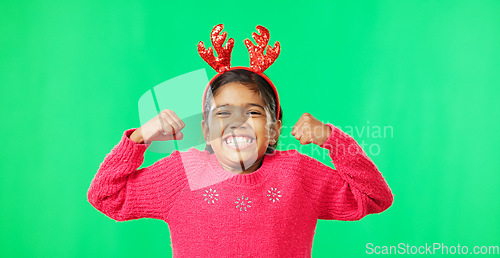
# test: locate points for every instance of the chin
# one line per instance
(248, 158)
(232, 157)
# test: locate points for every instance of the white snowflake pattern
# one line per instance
(243, 203)
(274, 194)
(210, 196)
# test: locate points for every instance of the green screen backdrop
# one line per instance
(416, 82)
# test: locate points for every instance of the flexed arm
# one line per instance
(122, 192)
(351, 191)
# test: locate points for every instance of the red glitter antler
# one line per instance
(258, 61)
(223, 60)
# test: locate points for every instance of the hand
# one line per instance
(163, 127)
(310, 130)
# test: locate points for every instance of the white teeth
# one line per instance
(239, 140)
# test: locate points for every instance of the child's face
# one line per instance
(238, 111)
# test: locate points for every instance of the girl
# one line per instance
(240, 196)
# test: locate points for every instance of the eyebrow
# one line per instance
(248, 104)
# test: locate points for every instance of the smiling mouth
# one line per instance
(239, 142)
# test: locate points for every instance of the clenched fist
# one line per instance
(163, 127)
(310, 130)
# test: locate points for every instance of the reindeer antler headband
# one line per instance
(258, 61)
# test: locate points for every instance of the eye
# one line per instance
(254, 113)
(222, 113)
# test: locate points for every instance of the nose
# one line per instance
(238, 122)
(238, 119)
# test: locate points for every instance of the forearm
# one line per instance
(356, 168)
(106, 192)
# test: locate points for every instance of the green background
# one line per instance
(71, 74)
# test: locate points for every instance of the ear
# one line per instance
(206, 134)
(276, 130)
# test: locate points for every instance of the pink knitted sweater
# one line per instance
(212, 212)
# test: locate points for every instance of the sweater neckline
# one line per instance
(249, 179)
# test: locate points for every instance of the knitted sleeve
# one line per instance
(352, 190)
(122, 192)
